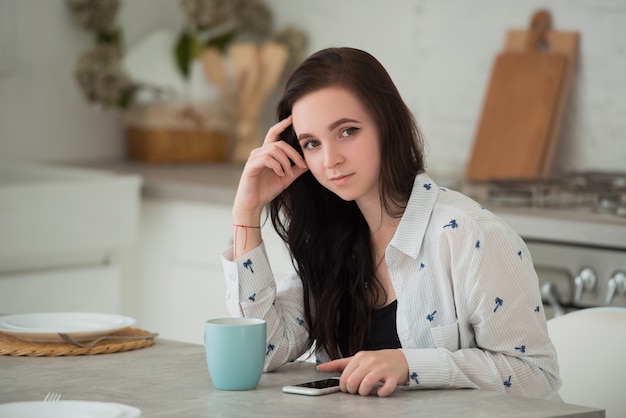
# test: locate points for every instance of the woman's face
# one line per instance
(340, 141)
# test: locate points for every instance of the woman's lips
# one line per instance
(341, 180)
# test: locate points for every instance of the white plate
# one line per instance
(67, 409)
(44, 327)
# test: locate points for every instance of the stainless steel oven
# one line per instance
(575, 228)
(577, 276)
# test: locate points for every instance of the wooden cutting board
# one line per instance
(524, 104)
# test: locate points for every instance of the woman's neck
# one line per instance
(382, 226)
(380, 240)
(381, 235)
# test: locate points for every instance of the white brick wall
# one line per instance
(440, 53)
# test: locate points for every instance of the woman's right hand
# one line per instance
(266, 174)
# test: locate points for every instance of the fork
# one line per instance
(92, 343)
(52, 397)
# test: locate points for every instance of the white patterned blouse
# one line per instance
(469, 311)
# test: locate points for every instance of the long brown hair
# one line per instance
(328, 237)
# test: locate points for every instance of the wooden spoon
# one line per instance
(272, 59)
(215, 71)
(245, 68)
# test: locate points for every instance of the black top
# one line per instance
(382, 332)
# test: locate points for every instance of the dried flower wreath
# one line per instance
(99, 71)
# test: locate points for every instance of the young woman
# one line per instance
(396, 280)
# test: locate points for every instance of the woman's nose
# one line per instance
(332, 155)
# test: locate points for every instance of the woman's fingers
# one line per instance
(270, 169)
(387, 388)
(366, 370)
(334, 365)
(273, 137)
(352, 379)
(278, 156)
(273, 133)
(291, 156)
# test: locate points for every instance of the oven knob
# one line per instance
(617, 285)
(551, 295)
(586, 280)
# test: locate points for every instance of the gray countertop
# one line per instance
(217, 184)
(170, 379)
(202, 182)
(208, 183)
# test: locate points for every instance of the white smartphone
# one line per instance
(314, 388)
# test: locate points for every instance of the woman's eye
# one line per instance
(309, 144)
(348, 132)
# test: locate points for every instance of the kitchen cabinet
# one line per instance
(66, 234)
(180, 279)
(92, 288)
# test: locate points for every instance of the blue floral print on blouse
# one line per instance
(248, 264)
(499, 303)
(431, 316)
(452, 224)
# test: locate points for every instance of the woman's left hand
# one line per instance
(361, 372)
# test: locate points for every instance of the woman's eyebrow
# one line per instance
(331, 127)
(338, 122)
(303, 136)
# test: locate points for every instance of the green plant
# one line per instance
(218, 23)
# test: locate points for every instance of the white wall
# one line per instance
(439, 52)
(43, 116)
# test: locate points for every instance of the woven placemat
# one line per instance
(12, 346)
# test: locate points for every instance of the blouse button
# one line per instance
(405, 335)
(399, 288)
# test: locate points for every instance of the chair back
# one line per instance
(591, 348)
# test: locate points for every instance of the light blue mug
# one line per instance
(235, 352)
